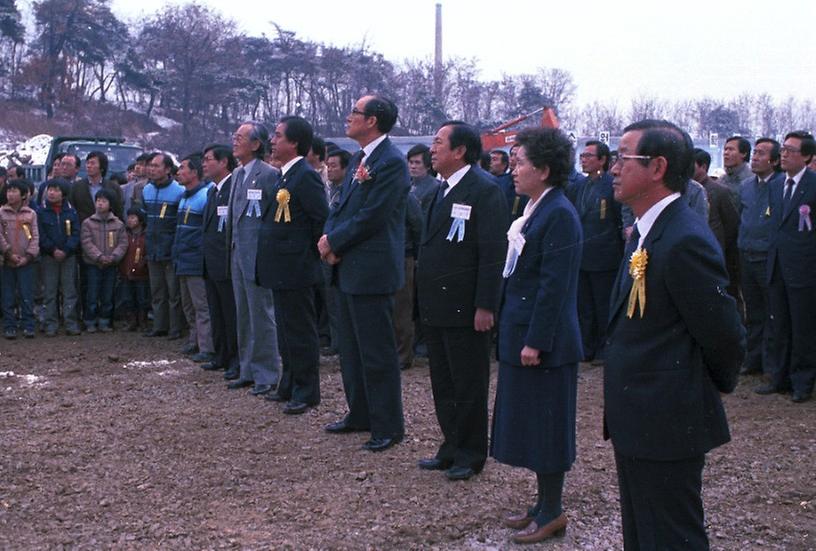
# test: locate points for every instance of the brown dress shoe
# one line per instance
(534, 534)
(519, 521)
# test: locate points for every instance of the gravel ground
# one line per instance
(118, 441)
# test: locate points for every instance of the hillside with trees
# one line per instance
(189, 69)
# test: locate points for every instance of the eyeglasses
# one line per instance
(789, 149)
(623, 157)
(586, 155)
(356, 111)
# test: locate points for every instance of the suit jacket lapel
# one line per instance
(441, 213)
(349, 184)
(283, 183)
(651, 238)
(796, 200)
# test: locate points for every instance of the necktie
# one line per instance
(238, 193)
(440, 195)
(788, 192)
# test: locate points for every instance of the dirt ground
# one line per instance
(117, 441)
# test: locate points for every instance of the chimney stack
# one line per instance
(438, 54)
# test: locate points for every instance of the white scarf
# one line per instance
(515, 239)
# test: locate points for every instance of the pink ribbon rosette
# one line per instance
(804, 218)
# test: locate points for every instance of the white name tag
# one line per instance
(254, 194)
(460, 211)
(223, 210)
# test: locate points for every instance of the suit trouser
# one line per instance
(369, 364)
(221, 301)
(459, 360)
(197, 311)
(164, 291)
(793, 315)
(661, 504)
(404, 317)
(594, 294)
(330, 294)
(256, 329)
(299, 345)
(754, 284)
(60, 276)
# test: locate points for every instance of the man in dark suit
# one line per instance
(675, 342)
(365, 241)
(601, 223)
(253, 185)
(458, 283)
(792, 270)
(218, 166)
(723, 219)
(289, 263)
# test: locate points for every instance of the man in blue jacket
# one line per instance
(675, 343)
(601, 222)
(188, 258)
(161, 198)
(364, 238)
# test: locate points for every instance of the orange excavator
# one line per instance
(503, 135)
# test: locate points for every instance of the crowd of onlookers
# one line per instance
(262, 249)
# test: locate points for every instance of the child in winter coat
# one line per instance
(19, 246)
(133, 276)
(59, 243)
(104, 243)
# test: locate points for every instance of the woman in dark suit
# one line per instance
(539, 337)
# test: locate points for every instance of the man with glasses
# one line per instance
(675, 343)
(364, 239)
(600, 217)
(792, 270)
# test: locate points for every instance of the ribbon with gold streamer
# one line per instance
(282, 198)
(637, 295)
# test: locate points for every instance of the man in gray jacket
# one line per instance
(253, 186)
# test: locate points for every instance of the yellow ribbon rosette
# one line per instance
(282, 198)
(637, 295)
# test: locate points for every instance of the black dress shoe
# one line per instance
(342, 427)
(202, 357)
(434, 464)
(174, 336)
(155, 333)
(232, 374)
(748, 370)
(239, 383)
(460, 473)
(190, 349)
(799, 397)
(295, 408)
(211, 366)
(768, 388)
(276, 397)
(259, 390)
(382, 444)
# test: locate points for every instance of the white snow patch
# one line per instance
(165, 122)
(28, 380)
(168, 373)
(141, 365)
